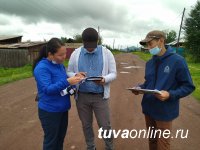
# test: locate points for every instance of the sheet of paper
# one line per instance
(144, 91)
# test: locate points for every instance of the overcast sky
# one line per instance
(126, 21)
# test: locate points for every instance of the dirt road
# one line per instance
(20, 128)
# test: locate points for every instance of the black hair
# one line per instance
(52, 46)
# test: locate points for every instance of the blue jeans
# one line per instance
(54, 125)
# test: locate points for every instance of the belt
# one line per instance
(91, 93)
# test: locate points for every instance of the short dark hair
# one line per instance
(90, 38)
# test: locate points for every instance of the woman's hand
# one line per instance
(74, 80)
(81, 74)
(163, 96)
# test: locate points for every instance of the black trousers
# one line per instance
(54, 125)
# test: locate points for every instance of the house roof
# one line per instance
(73, 45)
(181, 40)
(21, 45)
(6, 37)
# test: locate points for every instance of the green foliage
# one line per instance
(170, 36)
(77, 38)
(100, 40)
(192, 32)
(67, 40)
(108, 47)
(63, 39)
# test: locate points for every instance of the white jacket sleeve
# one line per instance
(112, 72)
(71, 65)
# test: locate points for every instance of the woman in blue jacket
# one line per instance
(51, 78)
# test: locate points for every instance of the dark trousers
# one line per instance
(158, 143)
(54, 125)
(87, 104)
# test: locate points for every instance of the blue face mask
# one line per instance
(155, 51)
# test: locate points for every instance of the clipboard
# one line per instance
(93, 78)
(144, 91)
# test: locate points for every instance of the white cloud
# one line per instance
(126, 21)
(43, 30)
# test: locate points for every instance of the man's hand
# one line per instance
(163, 96)
(137, 92)
(102, 82)
(81, 74)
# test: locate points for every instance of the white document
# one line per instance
(144, 91)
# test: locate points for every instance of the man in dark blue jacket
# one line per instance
(167, 72)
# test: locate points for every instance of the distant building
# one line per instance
(10, 39)
(14, 53)
(130, 49)
(174, 43)
(178, 47)
(70, 47)
(19, 54)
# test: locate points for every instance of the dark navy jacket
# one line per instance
(172, 76)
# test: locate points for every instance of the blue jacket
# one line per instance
(172, 76)
(51, 80)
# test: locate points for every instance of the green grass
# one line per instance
(193, 67)
(143, 55)
(115, 52)
(66, 63)
(8, 75)
(195, 72)
(12, 74)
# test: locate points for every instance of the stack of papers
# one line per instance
(144, 91)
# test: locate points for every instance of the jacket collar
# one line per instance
(85, 51)
(169, 51)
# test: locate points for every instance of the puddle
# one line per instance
(73, 147)
(32, 121)
(134, 67)
(124, 72)
(124, 63)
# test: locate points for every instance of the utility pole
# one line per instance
(98, 35)
(99, 31)
(180, 29)
(113, 44)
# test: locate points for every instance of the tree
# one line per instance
(63, 39)
(109, 47)
(78, 39)
(170, 36)
(192, 32)
(70, 40)
(100, 40)
(67, 40)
